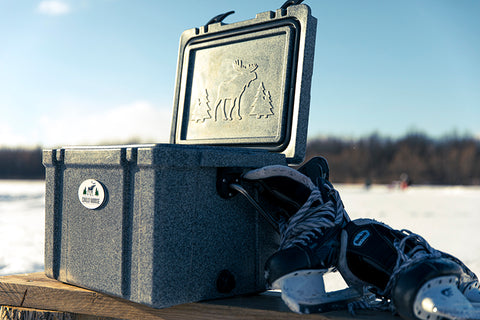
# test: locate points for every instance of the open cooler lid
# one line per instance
(247, 84)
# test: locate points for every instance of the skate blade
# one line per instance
(440, 298)
(304, 292)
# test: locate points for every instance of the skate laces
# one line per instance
(420, 251)
(369, 302)
(312, 218)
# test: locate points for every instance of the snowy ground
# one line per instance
(22, 226)
(448, 217)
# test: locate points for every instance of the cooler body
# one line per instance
(147, 223)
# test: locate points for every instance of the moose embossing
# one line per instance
(230, 91)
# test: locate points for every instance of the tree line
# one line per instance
(21, 164)
(451, 160)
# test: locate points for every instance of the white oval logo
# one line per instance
(91, 194)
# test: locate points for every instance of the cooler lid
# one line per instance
(247, 84)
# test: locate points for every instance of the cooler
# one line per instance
(157, 224)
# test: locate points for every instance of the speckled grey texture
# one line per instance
(164, 234)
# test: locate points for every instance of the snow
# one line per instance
(22, 226)
(447, 217)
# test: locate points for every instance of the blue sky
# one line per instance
(94, 71)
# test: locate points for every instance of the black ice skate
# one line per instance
(312, 217)
(417, 281)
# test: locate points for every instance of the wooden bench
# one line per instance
(34, 296)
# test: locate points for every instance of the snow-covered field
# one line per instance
(22, 226)
(448, 217)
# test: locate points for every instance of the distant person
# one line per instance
(368, 183)
(405, 181)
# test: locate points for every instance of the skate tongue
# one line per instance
(440, 297)
(304, 292)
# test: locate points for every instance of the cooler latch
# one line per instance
(228, 185)
(219, 18)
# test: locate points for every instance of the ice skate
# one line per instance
(310, 225)
(287, 189)
(402, 269)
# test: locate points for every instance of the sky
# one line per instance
(98, 71)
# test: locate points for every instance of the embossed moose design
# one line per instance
(230, 91)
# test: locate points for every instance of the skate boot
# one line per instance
(310, 226)
(402, 269)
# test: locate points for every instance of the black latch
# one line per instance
(225, 178)
(228, 185)
(219, 18)
(289, 3)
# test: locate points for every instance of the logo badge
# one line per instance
(91, 194)
(360, 238)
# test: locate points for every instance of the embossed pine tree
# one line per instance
(262, 105)
(201, 109)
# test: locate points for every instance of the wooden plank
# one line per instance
(36, 291)
(18, 313)
(15, 313)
